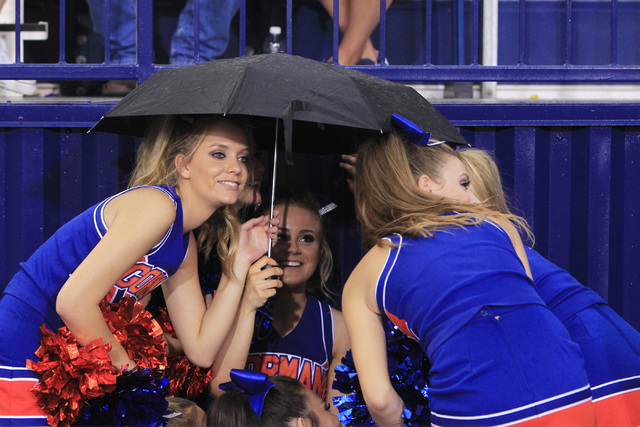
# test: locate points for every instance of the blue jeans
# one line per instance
(215, 20)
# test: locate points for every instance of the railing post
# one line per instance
(382, 47)
(289, 26)
(489, 44)
(336, 30)
(145, 39)
(614, 32)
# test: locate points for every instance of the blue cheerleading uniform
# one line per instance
(29, 299)
(498, 355)
(304, 353)
(610, 346)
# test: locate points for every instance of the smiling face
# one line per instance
(217, 171)
(454, 182)
(298, 248)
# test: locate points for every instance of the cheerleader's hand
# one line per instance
(348, 163)
(256, 235)
(262, 283)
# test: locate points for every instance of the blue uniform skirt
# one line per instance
(19, 339)
(611, 349)
(513, 365)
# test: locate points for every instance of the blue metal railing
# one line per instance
(467, 45)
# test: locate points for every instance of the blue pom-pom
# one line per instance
(264, 319)
(139, 400)
(407, 364)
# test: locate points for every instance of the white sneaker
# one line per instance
(14, 88)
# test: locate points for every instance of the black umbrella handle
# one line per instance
(270, 277)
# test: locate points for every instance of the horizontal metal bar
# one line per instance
(77, 71)
(399, 73)
(27, 26)
(85, 113)
(540, 113)
(516, 73)
(56, 114)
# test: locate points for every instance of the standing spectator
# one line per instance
(215, 21)
(358, 19)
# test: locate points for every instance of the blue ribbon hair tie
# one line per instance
(413, 132)
(255, 385)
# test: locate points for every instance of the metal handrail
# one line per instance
(425, 73)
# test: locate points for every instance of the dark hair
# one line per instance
(285, 402)
(232, 409)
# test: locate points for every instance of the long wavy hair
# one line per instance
(303, 199)
(485, 178)
(168, 136)
(486, 184)
(388, 199)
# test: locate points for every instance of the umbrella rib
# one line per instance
(231, 100)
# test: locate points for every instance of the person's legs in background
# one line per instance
(215, 21)
(357, 20)
(122, 38)
(122, 26)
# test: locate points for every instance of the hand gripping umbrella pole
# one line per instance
(287, 118)
(273, 186)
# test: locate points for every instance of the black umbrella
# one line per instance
(322, 104)
(328, 108)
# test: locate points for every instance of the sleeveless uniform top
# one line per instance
(465, 296)
(430, 287)
(303, 354)
(29, 299)
(41, 277)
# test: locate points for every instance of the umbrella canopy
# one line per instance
(309, 93)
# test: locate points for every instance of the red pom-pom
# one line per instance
(70, 374)
(162, 316)
(138, 332)
(186, 379)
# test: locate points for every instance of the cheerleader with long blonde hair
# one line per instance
(454, 276)
(189, 173)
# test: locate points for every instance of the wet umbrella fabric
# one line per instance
(327, 104)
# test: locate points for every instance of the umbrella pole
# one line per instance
(273, 182)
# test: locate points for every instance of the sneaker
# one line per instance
(367, 61)
(14, 88)
(18, 87)
(118, 87)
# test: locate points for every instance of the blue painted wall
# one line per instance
(576, 185)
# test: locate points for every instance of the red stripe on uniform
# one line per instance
(580, 415)
(619, 410)
(402, 325)
(17, 399)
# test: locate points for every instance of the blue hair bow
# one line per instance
(254, 384)
(413, 132)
